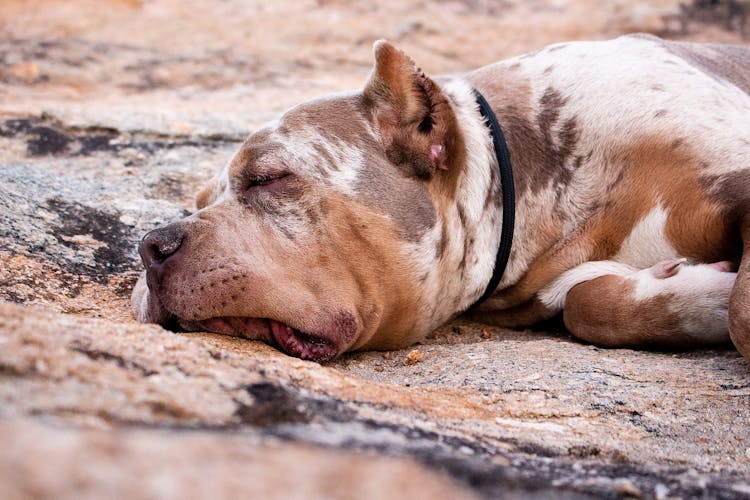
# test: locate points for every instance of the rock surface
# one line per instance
(104, 136)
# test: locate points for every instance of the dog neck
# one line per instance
(509, 202)
(467, 235)
(474, 222)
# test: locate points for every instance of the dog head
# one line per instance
(328, 230)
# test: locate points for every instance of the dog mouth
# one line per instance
(292, 341)
(333, 333)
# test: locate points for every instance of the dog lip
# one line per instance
(250, 328)
(302, 344)
(291, 340)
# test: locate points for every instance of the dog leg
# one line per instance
(566, 254)
(739, 302)
(592, 241)
(670, 304)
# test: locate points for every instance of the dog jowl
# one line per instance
(365, 220)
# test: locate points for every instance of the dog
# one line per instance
(367, 219)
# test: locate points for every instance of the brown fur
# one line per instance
(602, 312)
(210, 280)
(206, 195)
(697, 227)
(412, 114)
(739, 303)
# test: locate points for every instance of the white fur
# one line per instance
(444, 285)
(553, 296)
(474, 184)
(587, 74)
(688, 95)
(646, 243)
(699, 296)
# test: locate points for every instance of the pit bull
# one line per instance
(365, 220)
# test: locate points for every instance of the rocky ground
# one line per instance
(112, 113)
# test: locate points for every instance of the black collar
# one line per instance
(509, 196)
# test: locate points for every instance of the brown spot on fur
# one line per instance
(557, 47)
(402, 197)
(338, 119)
(732, 192)
(652, 172)
(442, 243)
(493, 193)
(551, 103)
(529, 55)
(329, 162)
(461, 214)
(540, 155)
(313, 215)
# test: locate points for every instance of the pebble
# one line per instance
(414, 357)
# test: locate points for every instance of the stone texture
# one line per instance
(199, 464)
(104, 135)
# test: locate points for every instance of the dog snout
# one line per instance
(160, 244)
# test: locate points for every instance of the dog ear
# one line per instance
(416, 122)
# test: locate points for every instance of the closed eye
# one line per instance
(265, 180)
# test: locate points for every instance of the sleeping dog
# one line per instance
(537, 185)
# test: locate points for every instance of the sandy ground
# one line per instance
(215, 67)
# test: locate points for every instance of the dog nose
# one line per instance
(160, 244)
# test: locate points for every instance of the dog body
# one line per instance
(365, 220)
